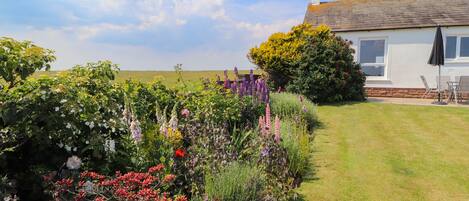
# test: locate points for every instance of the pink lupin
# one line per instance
(262, 125)
(267, 117)
(277, 130)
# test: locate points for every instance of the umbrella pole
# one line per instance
(439, 83)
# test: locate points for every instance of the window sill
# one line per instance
(378, 81)
(457, 61)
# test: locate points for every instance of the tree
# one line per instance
(311, 61)
(20, 59)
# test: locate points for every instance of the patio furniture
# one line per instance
(463, 87)
(443, 84)
(428, 90)
(453, 93)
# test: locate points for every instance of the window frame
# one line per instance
(385, 61)
(458, 48)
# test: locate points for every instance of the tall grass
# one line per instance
(287, 105)
(298, 119)
(296, 140)
(235, 182)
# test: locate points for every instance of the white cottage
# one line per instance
(393, 39)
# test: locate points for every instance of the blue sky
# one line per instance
(150, 34)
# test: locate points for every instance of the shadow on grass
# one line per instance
(345, 103)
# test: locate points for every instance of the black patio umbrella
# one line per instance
(437, 58)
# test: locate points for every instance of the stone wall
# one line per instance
(399, 92)
(402, 93)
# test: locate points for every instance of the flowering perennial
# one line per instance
(255, 88)
(141, 186)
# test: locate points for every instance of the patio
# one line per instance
(413, 101)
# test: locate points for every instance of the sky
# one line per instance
(150, 34)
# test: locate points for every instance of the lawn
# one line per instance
(372, 151)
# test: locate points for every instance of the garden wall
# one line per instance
(400, 92)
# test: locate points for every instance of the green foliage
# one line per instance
(20, 59)
(293, 106)
(47, 120)
(313, 62)
(296, 140)
(236, 182)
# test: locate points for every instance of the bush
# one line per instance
(296, 141)
(293, 106)
(47, 120)
(313, 62)
(235, 182)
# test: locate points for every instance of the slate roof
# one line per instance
(365, 15)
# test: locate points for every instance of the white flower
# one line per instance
(110, 146)
(88, 186)
(68, 125)
(56, 109)
(136, 130)
(68, 148)
(91, 125)
(63, 101)
(73, 163)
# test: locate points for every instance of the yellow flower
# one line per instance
(174, 136)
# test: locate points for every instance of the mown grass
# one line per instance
(372, 151)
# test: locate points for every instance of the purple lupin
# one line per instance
(227, 81)
(236, 72)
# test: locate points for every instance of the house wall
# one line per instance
(408, 51)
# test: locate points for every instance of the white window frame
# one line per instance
(385, 76)
(458, 57)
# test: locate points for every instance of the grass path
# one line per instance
(372, 151)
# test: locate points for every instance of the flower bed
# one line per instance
(81, 136)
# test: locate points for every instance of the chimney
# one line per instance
(315, 2)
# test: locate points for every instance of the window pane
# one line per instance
(372, 51)
(464, 47)
(374, 70)
(450, 52)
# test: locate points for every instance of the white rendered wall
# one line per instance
(407, 54)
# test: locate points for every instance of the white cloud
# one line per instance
(262, 31)
(71, 52)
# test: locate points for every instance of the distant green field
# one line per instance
(168, 78)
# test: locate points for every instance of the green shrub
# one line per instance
(313, 62)
(45, 121)
(296, 141)
(236, 182)
(293, 106)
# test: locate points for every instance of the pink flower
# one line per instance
(277, 129)
(267, 117)
(185, 113)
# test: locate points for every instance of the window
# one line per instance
(457, 47)
(450, 52)
(464, 48)
(372, 57)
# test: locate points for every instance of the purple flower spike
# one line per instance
(227, 82)
(251, 75)
(226, 74)
(241, 90)
(236, 72)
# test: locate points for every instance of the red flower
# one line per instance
(180, 153)
(169, 178)
(155, 168)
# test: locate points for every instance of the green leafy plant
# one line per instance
(235, 182)
(296, 141)
(293, 106)
(45, 121)
(20, 59)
